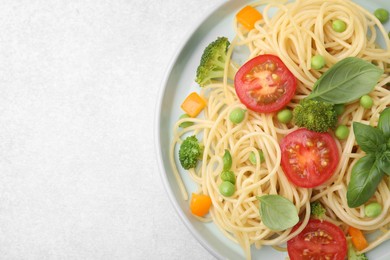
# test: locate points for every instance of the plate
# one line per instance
(178, 83)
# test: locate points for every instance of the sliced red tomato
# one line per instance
(264, 84)
(320, 240)
(309, 158)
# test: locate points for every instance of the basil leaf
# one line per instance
(368, 138)
(365, 178)
(346, 81)
(384, 122)
(277, 212)
(384, 162)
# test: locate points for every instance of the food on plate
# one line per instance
(369, 170)
(319, 239)
(190, 152)
(317, 210)
(200, 204)
(264, 84)
(248, 16)
(382, 15)
(309, 158)
(213, 61)
(318, 116)
(291, 144)
(193, 104)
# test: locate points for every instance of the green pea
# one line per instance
(373, 210)
(339, 108)
(339, 26)
(317, 62)
(237, 115)
(227, 189)
(227, 160)
(252, 157)
(366, 102)
(228, 176)
(342, 132)
(382, 15)
(284, 116)
(185, 124)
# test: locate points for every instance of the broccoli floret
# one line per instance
(190, 152)
(352, 254)
(317, 210)
(212, 62)
(360, 257)
(315, 115)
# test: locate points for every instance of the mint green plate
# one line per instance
(178, 83)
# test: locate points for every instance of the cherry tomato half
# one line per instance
(320, 239)
(264, 84)
(309, 158)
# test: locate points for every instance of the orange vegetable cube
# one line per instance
(200, 204)
(248, 16)
(358, 239)
(193, 104)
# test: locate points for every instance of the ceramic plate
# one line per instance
(178, 83)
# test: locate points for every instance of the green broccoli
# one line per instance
(352, 254)
(318, 116)
(317, 210)
(190, 152)
(212, 62)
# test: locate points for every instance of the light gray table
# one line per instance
(78, 88)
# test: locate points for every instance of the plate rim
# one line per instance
(157, 120)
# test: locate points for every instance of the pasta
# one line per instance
(295, 33)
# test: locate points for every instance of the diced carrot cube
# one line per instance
(248, 16)
(358, 239)
(193, 104)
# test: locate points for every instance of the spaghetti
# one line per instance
(295, 33)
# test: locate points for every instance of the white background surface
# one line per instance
(78, 89)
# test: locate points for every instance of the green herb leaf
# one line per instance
(277, 212)
(346, 81)
(365, 178)
(384, 162)
(368, 138)
(384, 122)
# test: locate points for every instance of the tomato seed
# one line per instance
(248, 77)
(324, 152)
(258, 68)
(270, 66)
(292, 161)
(324, 163)
(275, 77)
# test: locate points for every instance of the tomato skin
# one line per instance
(309, 158)
(256, 77)
(318, 240)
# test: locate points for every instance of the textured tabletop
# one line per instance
(78, 88)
